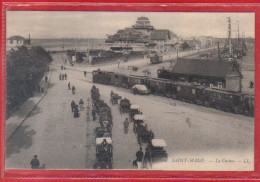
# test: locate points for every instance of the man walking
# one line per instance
(35, 163)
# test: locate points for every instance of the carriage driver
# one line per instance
(104, 144)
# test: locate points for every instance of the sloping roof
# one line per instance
(160, 35)
(16, 37)
(207, 68)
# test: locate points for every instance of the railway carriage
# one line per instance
(199, 94)
(133, 80)
(102, 77)
(159, 86)
(188, 92)
(222, 99)
(119, 80)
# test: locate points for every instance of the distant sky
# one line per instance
(72, 24)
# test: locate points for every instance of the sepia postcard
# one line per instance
(130, 90)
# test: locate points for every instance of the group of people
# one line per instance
(73, 89)
(63, 67)
(75, 108)
(63, 76)
(143, 160)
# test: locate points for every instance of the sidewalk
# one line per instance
(25, 110)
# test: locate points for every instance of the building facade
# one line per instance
(16, 41)
(212, 73)
(142, 36)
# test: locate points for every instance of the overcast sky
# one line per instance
(72, 24)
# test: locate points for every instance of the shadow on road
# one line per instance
(22, 139)
(23, 109)
(51, 85)
(36, 111)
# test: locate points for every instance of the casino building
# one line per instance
(142, 36)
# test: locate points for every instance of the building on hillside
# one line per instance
(16, 41)
(142, 37)
(212, 73)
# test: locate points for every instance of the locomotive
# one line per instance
(218, 98)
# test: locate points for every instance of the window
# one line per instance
(178, 88)
(11, 41)
(193, 91)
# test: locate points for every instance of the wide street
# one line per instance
(64, 142)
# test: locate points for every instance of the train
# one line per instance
(219, 98)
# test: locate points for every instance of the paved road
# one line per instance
(64, 142)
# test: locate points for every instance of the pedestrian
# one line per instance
(147, 158)
(35, 163)
(60, 76)
(251, 84)
(139, 156)
(64, 68)
(81, 103)
(126, 123)
(61, 67)
(73, 89)
(46, 78)
(72, 105)
(76, 111)
(69, 85)
(94, 114)
(65, 76)
(85, 73)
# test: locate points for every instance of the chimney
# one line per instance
(29, 40)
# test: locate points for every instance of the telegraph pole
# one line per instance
(229, 38)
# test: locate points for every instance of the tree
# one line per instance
(185, 46)
(24, 69)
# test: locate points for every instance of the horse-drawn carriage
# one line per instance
(158, 153)
(134, 109)
(114, 98)
(138, 120)
(124, 106)
(95, 93)
(105, 114)
(104, 151)
(140, 128)
(103, 132)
